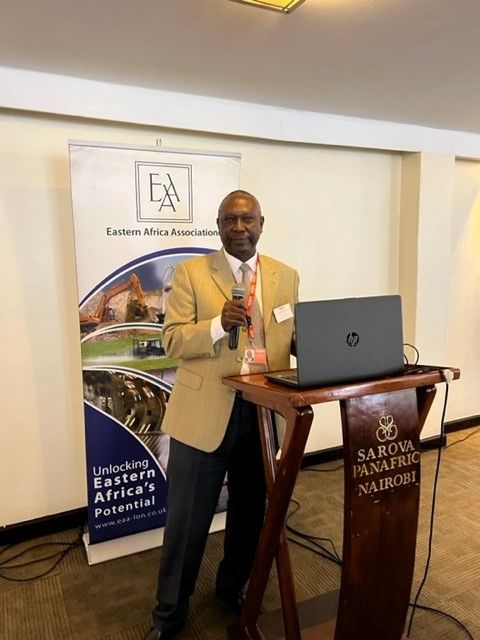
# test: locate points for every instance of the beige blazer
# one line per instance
(200, 404)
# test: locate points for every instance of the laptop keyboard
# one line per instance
(290, 376)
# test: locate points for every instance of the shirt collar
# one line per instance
(235, 263)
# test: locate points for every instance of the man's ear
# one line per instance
(262, 220)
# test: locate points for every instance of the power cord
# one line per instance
(417, 354)
(340, 466)
(5, 565)
(446, 615)
(473, 433)
(447, 374)
(448, 377)
(335, 557)
(320, 550)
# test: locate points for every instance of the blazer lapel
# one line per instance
(269, 288)
(221, 273)
(223, 278)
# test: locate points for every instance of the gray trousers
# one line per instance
(195, 480)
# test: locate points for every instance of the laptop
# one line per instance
(345, 340)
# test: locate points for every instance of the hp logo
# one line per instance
(353, 339)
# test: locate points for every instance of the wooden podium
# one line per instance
(381, 422)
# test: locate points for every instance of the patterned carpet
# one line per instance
(112, 601)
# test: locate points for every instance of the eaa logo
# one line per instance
(164, 192)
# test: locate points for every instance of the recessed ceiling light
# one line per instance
(284, 6)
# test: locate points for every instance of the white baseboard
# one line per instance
(119, 547)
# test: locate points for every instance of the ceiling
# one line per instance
(411, 61)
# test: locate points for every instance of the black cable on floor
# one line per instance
(340, 466)
(334, 557)
(446, 615)
(463, 439)
(316, 551)
(315, 540)
(5, 564)
(6, 548)
(432, 510)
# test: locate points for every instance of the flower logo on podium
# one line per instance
(387, 430)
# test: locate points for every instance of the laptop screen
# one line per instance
(348, 339)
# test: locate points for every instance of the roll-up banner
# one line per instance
(138, 211)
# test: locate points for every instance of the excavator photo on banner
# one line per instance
(136, 309)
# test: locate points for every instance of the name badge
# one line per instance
(284, 312)
(253, 355)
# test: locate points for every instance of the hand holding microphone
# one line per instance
(234, 314)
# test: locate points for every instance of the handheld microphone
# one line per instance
(238, 293)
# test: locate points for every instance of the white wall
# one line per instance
(49, 93)
(425, 257)
(464, 303)
(333, 213)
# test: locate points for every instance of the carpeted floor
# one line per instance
(112, 601)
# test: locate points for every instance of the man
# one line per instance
(213, 430)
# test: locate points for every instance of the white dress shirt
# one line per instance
(216, 330)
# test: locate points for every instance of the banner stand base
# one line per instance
(135, 543)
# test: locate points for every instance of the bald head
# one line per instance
(240, 224)
(240, 195)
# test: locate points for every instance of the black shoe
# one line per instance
(168, 620)
(167, 633)
(233, 600)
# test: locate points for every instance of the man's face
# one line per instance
(240, 224)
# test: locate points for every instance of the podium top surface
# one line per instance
(256, 388)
